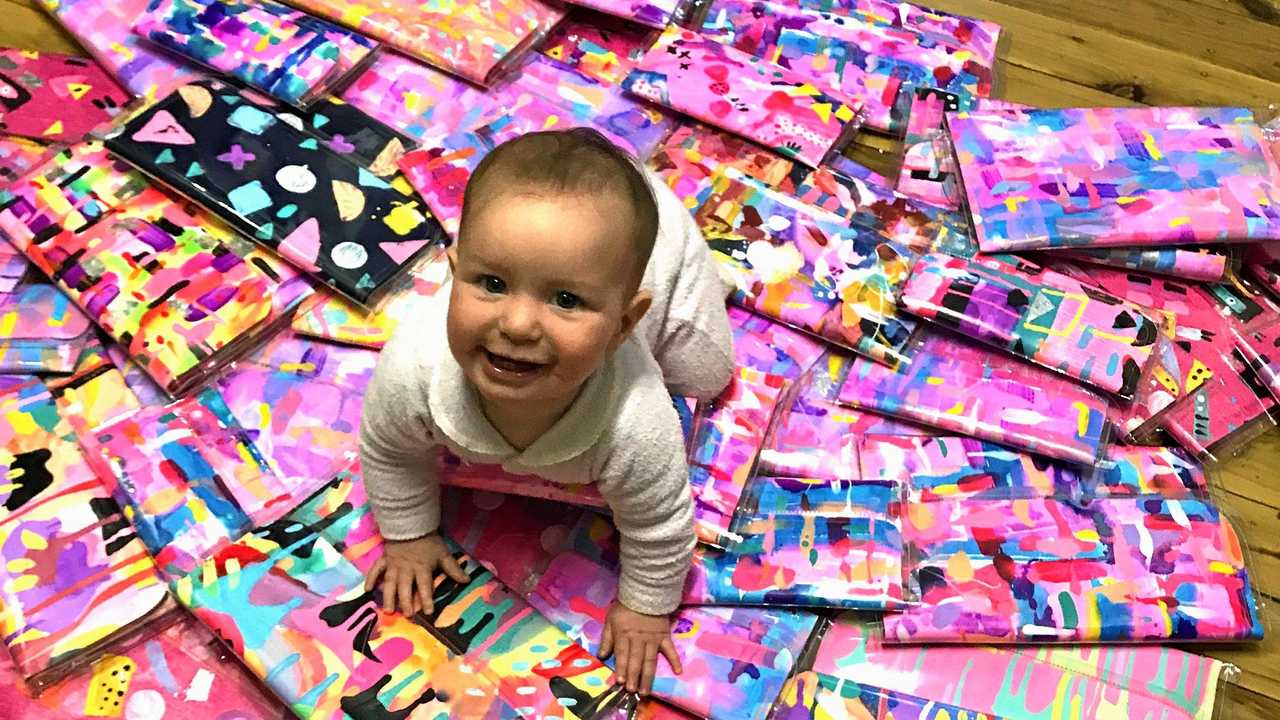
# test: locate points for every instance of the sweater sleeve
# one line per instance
(397, 453)
(695, 347)
(645, 480)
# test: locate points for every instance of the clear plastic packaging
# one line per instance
(1033, 312)
(283, 52)
(960, 387)
(322, 212)
(1207, 264)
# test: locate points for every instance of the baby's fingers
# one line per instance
(389, 580)
(650, 664)
(450, 565)
(668, 650)
(404, 591)
(606, 642)
(375, 572)
(422, 577)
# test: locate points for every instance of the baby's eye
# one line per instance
(492, 284)
(567, 301)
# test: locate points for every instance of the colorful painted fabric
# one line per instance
(929, 172)
(13, 267)
(478, 41)
(762, 344)
(962, 388)
(727, 438)
(104, 28)
(330, 217)
(94, 394)
(1116, 177)
(776, 107)
(53, 97)
(738, 658)
(181, 291)
(182, 670)
(281, 51)
(43, 331)
(810, 543)
(297, 615)
(333, 317)
(1262, 263)
(880, 65)
(1208, 264)
(1136, 470)
(1260, 349)
(1036, 313)
(350, 132)
(811, 695)
(1130, 682)
(74, 574)
(654, 13)
(18, 156)
(1231, 400)
(980, 36)
(172, 479)
(339, 512)
(493, 478)
(544, 96)
(817, 273)
(600, 46)
(299, 403)
(693, 155)
(1051, 570)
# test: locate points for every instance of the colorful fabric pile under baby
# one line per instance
(961, 469)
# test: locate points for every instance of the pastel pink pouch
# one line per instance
(1135, 681)
(477, 41)
(695, 75)
(960, 387)
(1127, 177)
(1208, 264)
(53, 97)
(1033, 312)
(105, 29)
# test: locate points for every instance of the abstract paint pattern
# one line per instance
(953, 467)
(94, 394)
(736, 659)
(1054, 683)
(599, 46)
(770, 347)
(811, 543)
(1051, 570)
(181, 670)
(1260, 349)
(959, 387)
(654, 13)
(55, 98)
(805, 267)
(41, 330)
(726, 441)
(179, 290)
(478, 41)
(980, 36)
(811, 695)
(492, 478)
(174, 479)
(1036, 313)
(104, 28)
(929, 172)
(333, 317)
(299, 403)
(74, 574)
(815, 439)
(18, 156)
(1208, 263)
(1116, 177)
(1262, 263)
(321, 212)
(879, 64)
(281, 51)
(776, 107)
(299, 618)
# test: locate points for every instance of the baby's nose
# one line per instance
(520, 320)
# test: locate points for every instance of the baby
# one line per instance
(581, 293)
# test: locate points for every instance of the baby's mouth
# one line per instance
(514, 366)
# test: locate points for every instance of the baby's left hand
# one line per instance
(638, 638)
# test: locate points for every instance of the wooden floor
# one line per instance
(1105, 53)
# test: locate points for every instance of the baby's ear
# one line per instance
(635, 309)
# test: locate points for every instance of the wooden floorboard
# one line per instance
(1062, 53)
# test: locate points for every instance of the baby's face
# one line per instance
(540, 295)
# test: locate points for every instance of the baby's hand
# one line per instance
(407, 563)
(638, 638)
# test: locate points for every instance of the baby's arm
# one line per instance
(645, 481)
(695, 346)
(401, 477)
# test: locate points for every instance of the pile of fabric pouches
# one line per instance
(957, 475)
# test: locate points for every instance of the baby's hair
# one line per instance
(579, 162)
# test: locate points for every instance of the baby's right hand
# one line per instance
(408, 563)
